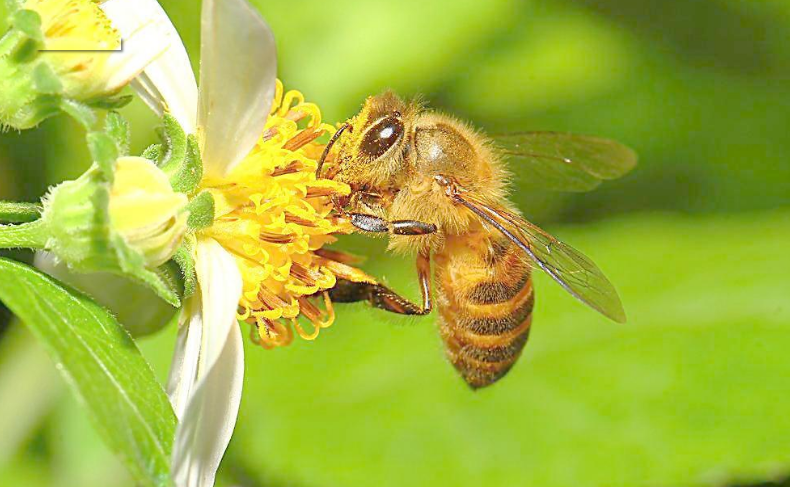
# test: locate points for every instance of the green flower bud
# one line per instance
(128, 224)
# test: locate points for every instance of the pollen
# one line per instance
(274, 216)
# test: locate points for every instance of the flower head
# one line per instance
(79, 41)
(77, 50)
(273, 215)
(260, 259)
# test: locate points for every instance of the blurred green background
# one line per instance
(692, 391)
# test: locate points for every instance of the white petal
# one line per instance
(144, 38)
(168, 83)
(220, 290)
(238, 67)
(183, 369)
(208, 367)
(207, 426)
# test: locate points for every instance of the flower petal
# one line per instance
(168, 83)
(183, 368)
(205, 430)
(238, 67)
(208, 367)
(144, 38)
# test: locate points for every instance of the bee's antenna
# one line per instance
(328, 147)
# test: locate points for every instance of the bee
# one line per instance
(439, 189)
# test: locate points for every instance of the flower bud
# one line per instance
(128, 226)
(146, 211)
(78, 44)
(88, 218)
(69, 50)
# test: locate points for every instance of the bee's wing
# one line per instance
(565, 162)
(573, 271)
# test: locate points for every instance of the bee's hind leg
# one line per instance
(382, 297)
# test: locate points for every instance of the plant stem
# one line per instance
(31, 235)
(13, 212)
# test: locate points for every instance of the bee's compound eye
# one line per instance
(380, 137)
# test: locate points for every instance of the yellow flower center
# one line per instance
(274, 216)
(78, 41)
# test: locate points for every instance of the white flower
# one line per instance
(228, 113)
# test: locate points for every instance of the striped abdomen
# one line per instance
(485, 301)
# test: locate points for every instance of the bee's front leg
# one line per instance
(363, 207)
(383, 297)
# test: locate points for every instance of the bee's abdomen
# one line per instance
(485, 307)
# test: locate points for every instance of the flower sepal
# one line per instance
(24, 38)
(29, 92)
(121, 216)
(178, 156)
(184, 261)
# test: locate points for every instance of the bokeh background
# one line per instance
(692, 391)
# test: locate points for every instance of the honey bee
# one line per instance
(439, 189)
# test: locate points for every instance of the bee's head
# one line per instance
(371, 152)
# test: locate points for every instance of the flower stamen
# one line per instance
(316, 317)
(304, 137)
(291, 168)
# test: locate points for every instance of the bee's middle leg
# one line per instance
(383, 297)
(372, 223)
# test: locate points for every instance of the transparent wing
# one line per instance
(573, 271)
(565, 162)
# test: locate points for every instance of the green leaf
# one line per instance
(691, 392)
(102, 365)
(138, 308)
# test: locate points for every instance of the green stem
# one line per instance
(13, 212)
(31, 235)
